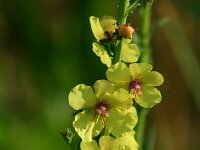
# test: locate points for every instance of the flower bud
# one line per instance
(125, 31)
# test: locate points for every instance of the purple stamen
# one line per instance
(102, 109)
(136, 86)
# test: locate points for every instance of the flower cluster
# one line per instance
(109, 36)
(106, 109)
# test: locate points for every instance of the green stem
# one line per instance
(122, 16)
(145, 14)
(133, 6)
(118, 53)
(140, 128)
(145, 35)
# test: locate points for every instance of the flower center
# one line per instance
(102, 108)
(136, 86)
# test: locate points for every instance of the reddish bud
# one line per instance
(125, 31)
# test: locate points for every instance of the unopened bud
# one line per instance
(125, 31)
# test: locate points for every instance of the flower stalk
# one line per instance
(145, 34)
(106, 115)
(124, 9)
(122, 16)
(145, 16)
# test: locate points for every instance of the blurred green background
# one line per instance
(45, 50)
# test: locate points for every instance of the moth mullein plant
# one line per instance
(105, 113)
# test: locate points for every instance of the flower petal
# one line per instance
(139, 69)
(100, 51)
(102, 88)
(149, 97)
(121, 122)
(107, 23)
(121, 99)
(82, 96)
(99, 125)
(130, 52)
(97, 28)
(89, 145)
(153, 78)
(122, 85)
(127, 141)
(87, 125)
(107, 143)
(118, 73)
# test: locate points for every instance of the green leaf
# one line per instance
(89, 145)
(130, 52)
(118, 73)
(82, 96)
(97, 28)
(149, 97)
(87, 125)
(138, 70)
(102, 88)
(120, 122)
(102, 53)
(71, 138)
(68, 135)
(153, 78)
